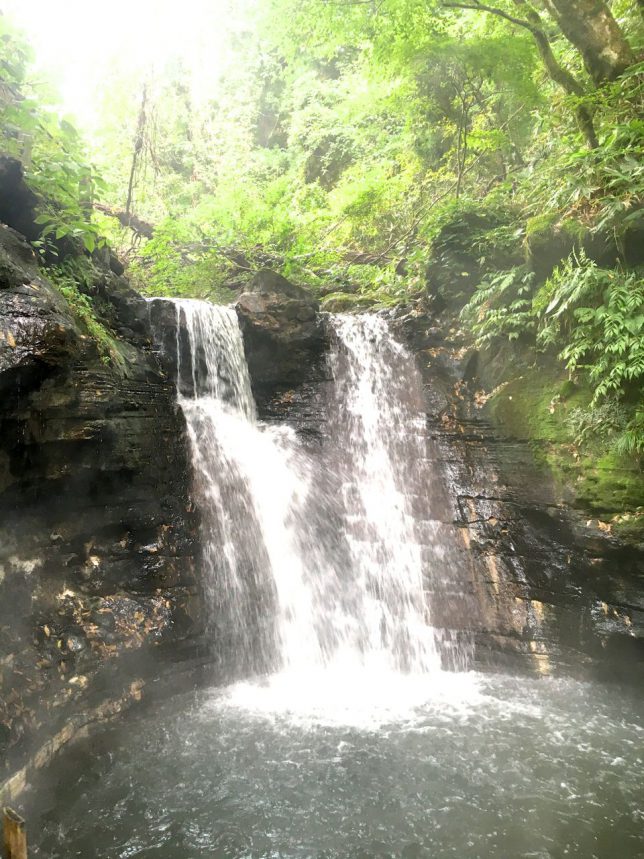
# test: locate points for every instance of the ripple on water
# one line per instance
(473, 766)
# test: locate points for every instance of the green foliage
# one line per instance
(50, 149)
(609, 423)
(599, 315)
(367, 149)
(169, 266)
(501, 307)
(597, 423)
(339, 131)
(69, 278)
(604, 186)
(630, 441)
(484, 230)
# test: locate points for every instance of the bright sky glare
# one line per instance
(78, 46)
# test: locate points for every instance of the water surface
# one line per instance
(484, 766)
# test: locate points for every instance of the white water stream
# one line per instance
(313, 569)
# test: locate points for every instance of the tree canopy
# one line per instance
(352, 144)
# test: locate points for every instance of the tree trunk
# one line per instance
(532, 22)
(138, 146)
(557, 72)
(589, 25)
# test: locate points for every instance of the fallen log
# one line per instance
(127, 219)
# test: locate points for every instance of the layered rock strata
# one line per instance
(97, 530)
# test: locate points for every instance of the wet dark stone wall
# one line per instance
(98, 534)
(545, 586)
(528, 576)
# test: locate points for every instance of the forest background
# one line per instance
(482, 158)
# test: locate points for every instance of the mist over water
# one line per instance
(525, 768)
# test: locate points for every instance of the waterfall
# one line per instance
(311, 559)
(378, 426)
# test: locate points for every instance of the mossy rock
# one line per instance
(342, 302)
(472, 240)
(610, 484)
(541, 225)
(528, 406)
(549, 241)
(535, 407)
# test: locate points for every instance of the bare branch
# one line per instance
(127, 219)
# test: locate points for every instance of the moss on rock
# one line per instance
(599, 480)
(549, 240)
(342, 302)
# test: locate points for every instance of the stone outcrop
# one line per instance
(543, 582)
(97, 529)
(284, 335)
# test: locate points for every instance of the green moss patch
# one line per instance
(601, 481)
(342, 302)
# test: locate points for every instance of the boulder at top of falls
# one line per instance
(268, 282)
(282, 330)
(17, 201)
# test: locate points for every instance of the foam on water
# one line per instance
(526, 768)
(362, 697)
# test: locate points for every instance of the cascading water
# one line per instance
(247, 491)
(312, 563)
(377, 427)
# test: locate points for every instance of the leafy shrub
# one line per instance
(605, 183)
(597, 315)
(598, 423)
(50, 148)
(610, 423)
(501, 307)
(630, 441)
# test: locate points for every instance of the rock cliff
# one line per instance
(97, 530)
(544, 582)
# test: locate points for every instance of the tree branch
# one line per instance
(127, 219)
(480, 7)
(558, 73)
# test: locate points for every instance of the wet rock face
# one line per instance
(17, 201)
(527, 576)
(541, 584)
(283, 332)
(97, 530)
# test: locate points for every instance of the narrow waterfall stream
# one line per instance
(342, 735)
